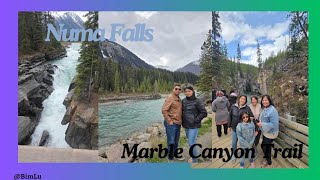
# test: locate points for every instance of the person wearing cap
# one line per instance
(172, 113)
(220, 106)
(193, 111)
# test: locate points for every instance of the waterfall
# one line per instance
(54, 110)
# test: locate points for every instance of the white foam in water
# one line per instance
(54, 110)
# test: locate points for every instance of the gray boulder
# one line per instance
(44, 138)
(26, 127)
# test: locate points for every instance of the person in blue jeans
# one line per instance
(269, 126)
(235, 110)
(172, 113)
(193, 111)
(246, 133)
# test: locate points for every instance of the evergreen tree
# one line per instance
(206, 65)
(238, 61)
(259, 54)
(117, 82)
(299, 24)
(86, 69)
(32, 28)
(216, 53)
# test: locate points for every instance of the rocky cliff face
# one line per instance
(290, 91)
(35, 82)
(82, 119)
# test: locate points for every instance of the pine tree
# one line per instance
(216, 54)
(238, 61)
(86, 69)
(24, 40)
(206, 65)
(259, 54)
(38, 32)
(32, 28)
(117, 82)
(299, 24)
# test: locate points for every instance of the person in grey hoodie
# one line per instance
(220, 106)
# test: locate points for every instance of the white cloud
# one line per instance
(178, 36)
(279, 43)
(145, 14)
(235, 28)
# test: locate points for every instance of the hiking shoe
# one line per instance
(233, 159)
(180, 159)
(253, 165)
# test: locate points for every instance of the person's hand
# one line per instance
(171, 122)
(255, 133)
(259, 123)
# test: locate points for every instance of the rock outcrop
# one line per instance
(82, 119)
(35, 82)
(44, 138)
(114, 152)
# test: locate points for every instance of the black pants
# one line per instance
(267, 149)
(225, 129)
(257, 139)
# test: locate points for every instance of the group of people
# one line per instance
(188, 112)
(247, 123)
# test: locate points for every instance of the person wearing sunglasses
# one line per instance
(235, 111)
(246, 134)
(193, 111)
(172, 113)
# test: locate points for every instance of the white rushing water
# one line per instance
(54, 110)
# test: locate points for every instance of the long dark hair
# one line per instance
(243, 113)
(238, 101)
(269, 99)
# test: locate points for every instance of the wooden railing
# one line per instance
(292, 133)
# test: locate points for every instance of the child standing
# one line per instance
(246, 134)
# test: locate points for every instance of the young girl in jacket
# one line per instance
(246, 134)
(235, 111)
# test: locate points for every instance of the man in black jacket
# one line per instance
(193, 111)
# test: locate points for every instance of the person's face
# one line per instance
(188, 92)
(242, 100)
(245, 118)
(176, 90)
(254, 101)
(265, 102)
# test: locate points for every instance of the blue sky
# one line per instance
(178, 36)
(269, 28)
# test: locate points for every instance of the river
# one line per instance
(54, 110)
(121, 120)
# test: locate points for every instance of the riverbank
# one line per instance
(151, 137)
(111, 99)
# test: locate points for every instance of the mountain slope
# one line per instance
(122, 55)
(70, 20)
(192, 67)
